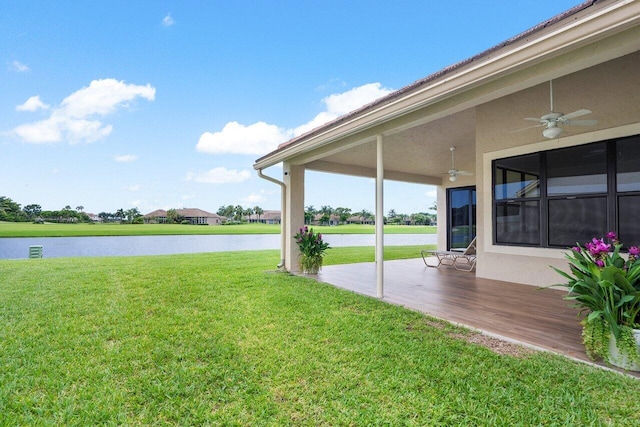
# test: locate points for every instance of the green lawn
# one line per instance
(221, 339)
(26, 229)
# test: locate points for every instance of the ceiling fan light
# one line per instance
(552, 132)
(453, 178)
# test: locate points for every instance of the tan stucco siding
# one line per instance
(610, 90)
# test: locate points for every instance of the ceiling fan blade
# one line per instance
(533, 119)
(528, 127)
(582, 122)
(464, 173)
(575, 114)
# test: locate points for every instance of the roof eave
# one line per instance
(560, 33)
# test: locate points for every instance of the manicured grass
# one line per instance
(219, 339)
(26, 229)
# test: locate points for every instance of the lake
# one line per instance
(55, 247)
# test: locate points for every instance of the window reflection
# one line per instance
(517, 177)
(577, 170)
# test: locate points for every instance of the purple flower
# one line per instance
(600, 263)
(612, 235)
(575, 249)
(633, 250)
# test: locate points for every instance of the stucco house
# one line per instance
(193, 215)
(266, 217)
(538, 182)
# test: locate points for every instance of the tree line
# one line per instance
(325, 215)
(13, 212)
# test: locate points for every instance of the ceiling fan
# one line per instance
(552, 120)
(453, 172)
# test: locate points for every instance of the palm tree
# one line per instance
(258, 211)
(309, 213)
(247, 213)
(80, 208)
(238, 212)
(364, 215)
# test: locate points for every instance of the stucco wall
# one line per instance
(610, 90)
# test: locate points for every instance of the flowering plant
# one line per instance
(312, 249)
(605, 287)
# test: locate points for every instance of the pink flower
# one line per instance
(633, 250)
(575, 249)
(600, 263)
(612, 235)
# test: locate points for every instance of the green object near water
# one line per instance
(35, 251)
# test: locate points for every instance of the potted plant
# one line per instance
(312, 250)
(605, 286)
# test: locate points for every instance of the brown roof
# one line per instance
(157, 212)
(267, 215)
(435, 76)
(195, 212)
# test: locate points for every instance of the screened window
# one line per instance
(559, 197)
(576, 220)
(577, 170)
(629, 220)
(518, 222)
(628, 165)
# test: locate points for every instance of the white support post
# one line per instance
(379, 217)
(294, 215)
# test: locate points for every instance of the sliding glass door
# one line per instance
(461, 217)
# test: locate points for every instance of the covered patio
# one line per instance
(525, 314)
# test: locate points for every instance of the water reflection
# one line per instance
(54, 247)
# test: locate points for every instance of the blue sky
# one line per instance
(157, 104)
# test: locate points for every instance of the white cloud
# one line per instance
(75, 118)
(261, 138)
(20, 67)
(125, 158)
(32, 104)
(259, 197)
(168, 21)
(219, 175)
(135, 187)
(235, 138)
(342, 103)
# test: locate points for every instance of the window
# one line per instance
(517, 194)
(628, 165)
(577, 170)
(559, 197)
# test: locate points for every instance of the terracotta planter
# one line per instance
(616, 358)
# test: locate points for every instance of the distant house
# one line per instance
(193, 215)
(355, 219)
(333, 219)
(94, 217)
(266, 217)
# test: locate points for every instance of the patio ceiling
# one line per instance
(416, 154)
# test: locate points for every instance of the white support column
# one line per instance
(379, 217)
(294, 215)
